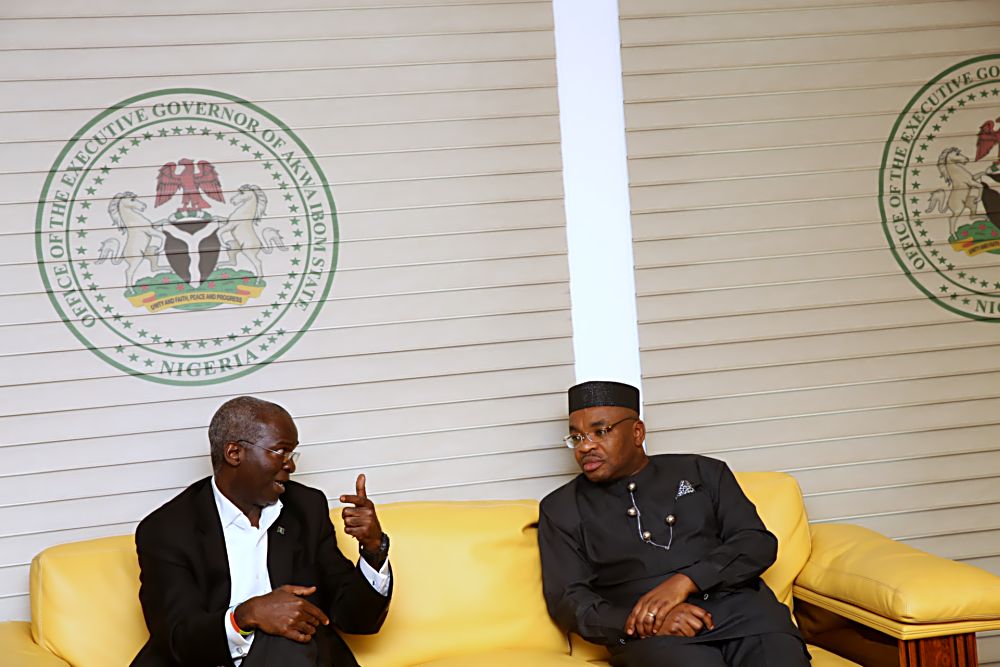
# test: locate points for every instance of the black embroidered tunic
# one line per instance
(596, 564)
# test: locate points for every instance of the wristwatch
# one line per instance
(380, 555)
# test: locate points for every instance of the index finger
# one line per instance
(315, 613)
(630, 621)
(702, 614)
(359, 485)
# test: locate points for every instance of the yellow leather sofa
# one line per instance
(468, 590)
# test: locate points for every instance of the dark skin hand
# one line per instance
(684, 620)
(658, 602)
(283, 612)
(360, 521)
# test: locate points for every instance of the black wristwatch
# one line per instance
(377, 556)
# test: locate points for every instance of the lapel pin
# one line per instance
(281, 530)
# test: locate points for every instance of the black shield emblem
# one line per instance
(991, 198)
(192, 249)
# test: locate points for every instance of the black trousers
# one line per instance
(272, 651)
(768, 650)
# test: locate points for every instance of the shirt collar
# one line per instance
(230, 514)
(644, 476)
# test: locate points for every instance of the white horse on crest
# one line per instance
(143, 241)
(964, 191)
(238, 232)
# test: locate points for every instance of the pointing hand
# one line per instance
(360, 521)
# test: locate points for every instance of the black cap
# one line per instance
(597, 393)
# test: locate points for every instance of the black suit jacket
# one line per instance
(185, 583)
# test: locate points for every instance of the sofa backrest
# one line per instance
(468, 579)
(85, 602)
(779, 503)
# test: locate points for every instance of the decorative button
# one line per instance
(646, 535)
(631, 486)
(671, 519)
(631, 511)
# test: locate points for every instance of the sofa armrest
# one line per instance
(894, 588)
(19, 649)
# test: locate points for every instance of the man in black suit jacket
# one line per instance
(195, 556)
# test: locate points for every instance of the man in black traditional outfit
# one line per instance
(658, 558)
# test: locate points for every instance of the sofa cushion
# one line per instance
(467, 581)
(511, 658)
(85, 602)
(18, 647)
(820, 658)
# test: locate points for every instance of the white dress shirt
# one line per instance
(246, 549)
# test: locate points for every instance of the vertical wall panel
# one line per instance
(777, 329)
(438, 361)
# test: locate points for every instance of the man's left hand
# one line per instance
(684, 620)
(360, 521)
(657, 603)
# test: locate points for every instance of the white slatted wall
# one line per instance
(439, 362)
(776, 329)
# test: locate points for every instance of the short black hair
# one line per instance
(237, 419)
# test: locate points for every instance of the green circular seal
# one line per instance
(939, 189)
(187, 236)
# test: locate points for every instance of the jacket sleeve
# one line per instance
(173, 602)
(354, 605)
(567, 583)
(747, 548)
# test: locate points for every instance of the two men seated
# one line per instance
(659, 558)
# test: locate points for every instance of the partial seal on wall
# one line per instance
(939, 189)
(187, 236)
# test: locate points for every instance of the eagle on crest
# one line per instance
(205, 179)
(989, 136)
